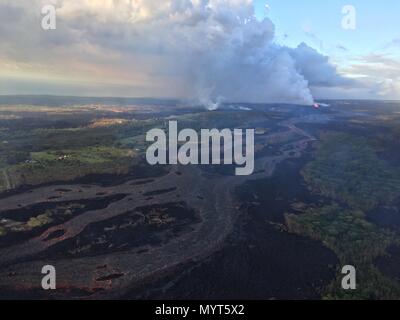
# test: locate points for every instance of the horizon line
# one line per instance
(183, 100)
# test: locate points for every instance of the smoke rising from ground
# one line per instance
(206, 51)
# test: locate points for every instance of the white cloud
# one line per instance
(207, 50)
(377, 73)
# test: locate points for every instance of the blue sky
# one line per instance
(370, 53)
(378, 23)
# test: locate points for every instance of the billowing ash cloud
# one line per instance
(209, 51)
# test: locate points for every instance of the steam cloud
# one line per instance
(210, 50)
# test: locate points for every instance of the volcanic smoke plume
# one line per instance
(206, 51)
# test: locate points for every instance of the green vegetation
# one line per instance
(33, 155)
(348, 171)
(90, 155)
(66, 165)
(38, 219)
(11, 226)
(36, 155)
(356, 242)
(3, 231)
(220, 119)
(354, 239)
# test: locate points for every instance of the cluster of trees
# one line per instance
(347, 170)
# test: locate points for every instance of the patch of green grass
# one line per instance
(66, 165)
(3, 231)
(39, 221)
(90, 155)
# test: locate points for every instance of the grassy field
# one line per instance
(35, 155)
(66, 165)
